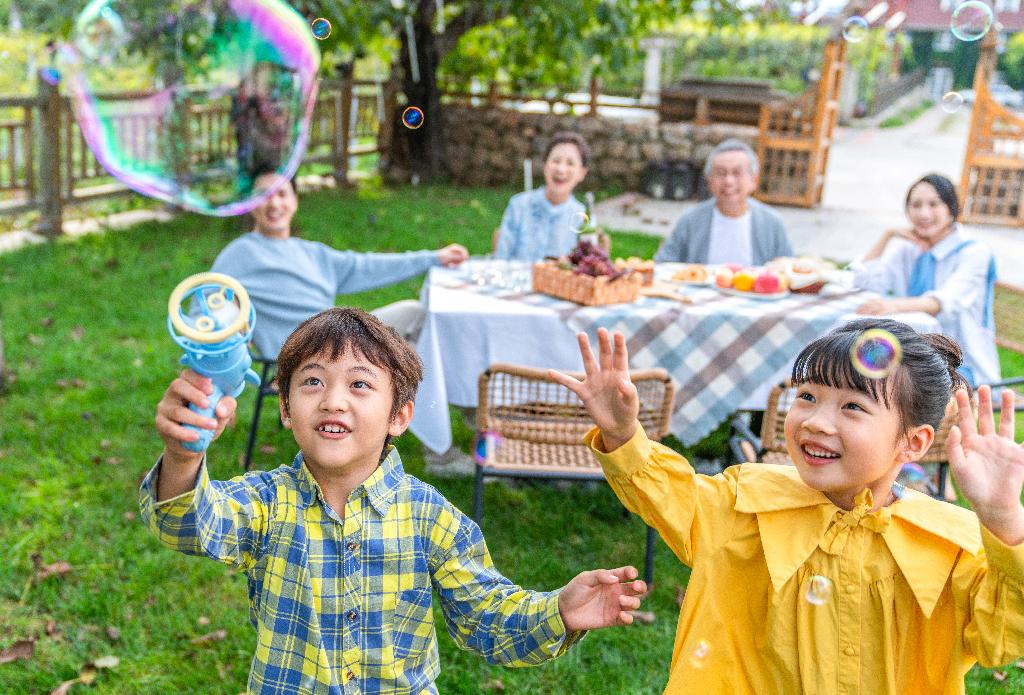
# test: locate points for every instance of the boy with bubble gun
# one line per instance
(342, 548)
(827, 577)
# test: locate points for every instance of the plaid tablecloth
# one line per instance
(719, 349)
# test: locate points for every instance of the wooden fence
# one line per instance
(46, 164)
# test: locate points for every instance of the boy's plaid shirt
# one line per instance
(344, 605)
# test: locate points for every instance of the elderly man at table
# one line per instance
(730, 227)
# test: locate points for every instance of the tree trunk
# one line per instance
(422, 150)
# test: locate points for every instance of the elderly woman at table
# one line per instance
(933, 267)
(544, 221)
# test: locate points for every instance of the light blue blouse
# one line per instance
(533, 228)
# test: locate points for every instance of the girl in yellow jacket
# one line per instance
(827, 576)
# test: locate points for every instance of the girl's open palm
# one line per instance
(608, 394)
(988, 465)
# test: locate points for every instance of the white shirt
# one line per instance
(730, 239)
(960, 288)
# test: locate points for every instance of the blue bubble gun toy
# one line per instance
(209, 315)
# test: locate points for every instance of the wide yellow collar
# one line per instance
(924, 535)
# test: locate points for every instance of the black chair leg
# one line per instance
(649, 558)
(478, 496)
(251, 443)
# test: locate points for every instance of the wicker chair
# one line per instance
(770, 447)
(540, 425)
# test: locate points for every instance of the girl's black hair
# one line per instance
(920, 387)
(944, 187)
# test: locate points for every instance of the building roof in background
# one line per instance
(935, 15)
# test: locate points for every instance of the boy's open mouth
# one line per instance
(333, 430)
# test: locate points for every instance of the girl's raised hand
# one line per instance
(608, 394)
(987, 464)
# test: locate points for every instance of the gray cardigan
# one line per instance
(690, 241)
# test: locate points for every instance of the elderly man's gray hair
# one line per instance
(732, 145)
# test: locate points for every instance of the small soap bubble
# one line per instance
(876, 353)
(485, 446)
(321, 28)
(580, 220)
(952, 101)
(819, 590)
(221, 91)
(855, 29)
(412, 117)
(912, 474)
(699, 655)
(50, 76)
(971, 20)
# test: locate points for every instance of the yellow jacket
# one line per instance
(917, 591)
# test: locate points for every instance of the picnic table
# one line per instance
(723, 352)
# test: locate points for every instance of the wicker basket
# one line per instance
(548, 278)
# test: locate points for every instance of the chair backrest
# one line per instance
(773, 426)
(523, 403)
(773, 433)
(1008, 308)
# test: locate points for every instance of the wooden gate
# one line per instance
(992, 182)
(795, 136)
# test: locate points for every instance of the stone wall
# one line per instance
(487, 146)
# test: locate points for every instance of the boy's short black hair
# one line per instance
(339, 329)
(263, 171)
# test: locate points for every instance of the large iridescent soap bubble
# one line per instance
(188, 101)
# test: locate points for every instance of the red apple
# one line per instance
(768, 282)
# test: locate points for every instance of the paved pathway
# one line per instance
(868, 175)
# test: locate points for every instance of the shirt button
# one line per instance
(850, 588)
(351, 615)
(352, 545)
(350, 675)
(849, 651)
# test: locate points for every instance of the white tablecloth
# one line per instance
(468, 328)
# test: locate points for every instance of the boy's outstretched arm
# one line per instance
(988, 465)
(180, 466)
(600, 598)
(608, 394)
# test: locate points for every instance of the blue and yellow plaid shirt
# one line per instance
(343, 605)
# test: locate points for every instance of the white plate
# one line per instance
(752, 295)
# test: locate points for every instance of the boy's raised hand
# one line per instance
(172, 412)
(608, 394)
(988, 465)
(600, 598)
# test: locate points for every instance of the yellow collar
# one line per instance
(924, 535)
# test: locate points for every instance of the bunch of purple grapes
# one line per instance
(589, 259)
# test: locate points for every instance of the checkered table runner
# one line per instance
(717, 350)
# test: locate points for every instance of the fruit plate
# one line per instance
(752, 295)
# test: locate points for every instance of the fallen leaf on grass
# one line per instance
(113, 460)
(209, 638)
(268, 449)
(113, 634)
(77, 332)
(59, 568)
(109, 661)
(129, 516)
(495, 684)
(643, 617)
(87, 674)
(51, 628)
(34, 339)
(999, 675)
(64, 687)
(22, 649)
(203, 620)
(1020, 663)
(46, 322)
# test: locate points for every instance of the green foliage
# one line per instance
(1011, 62)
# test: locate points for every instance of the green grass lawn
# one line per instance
(86, 339)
